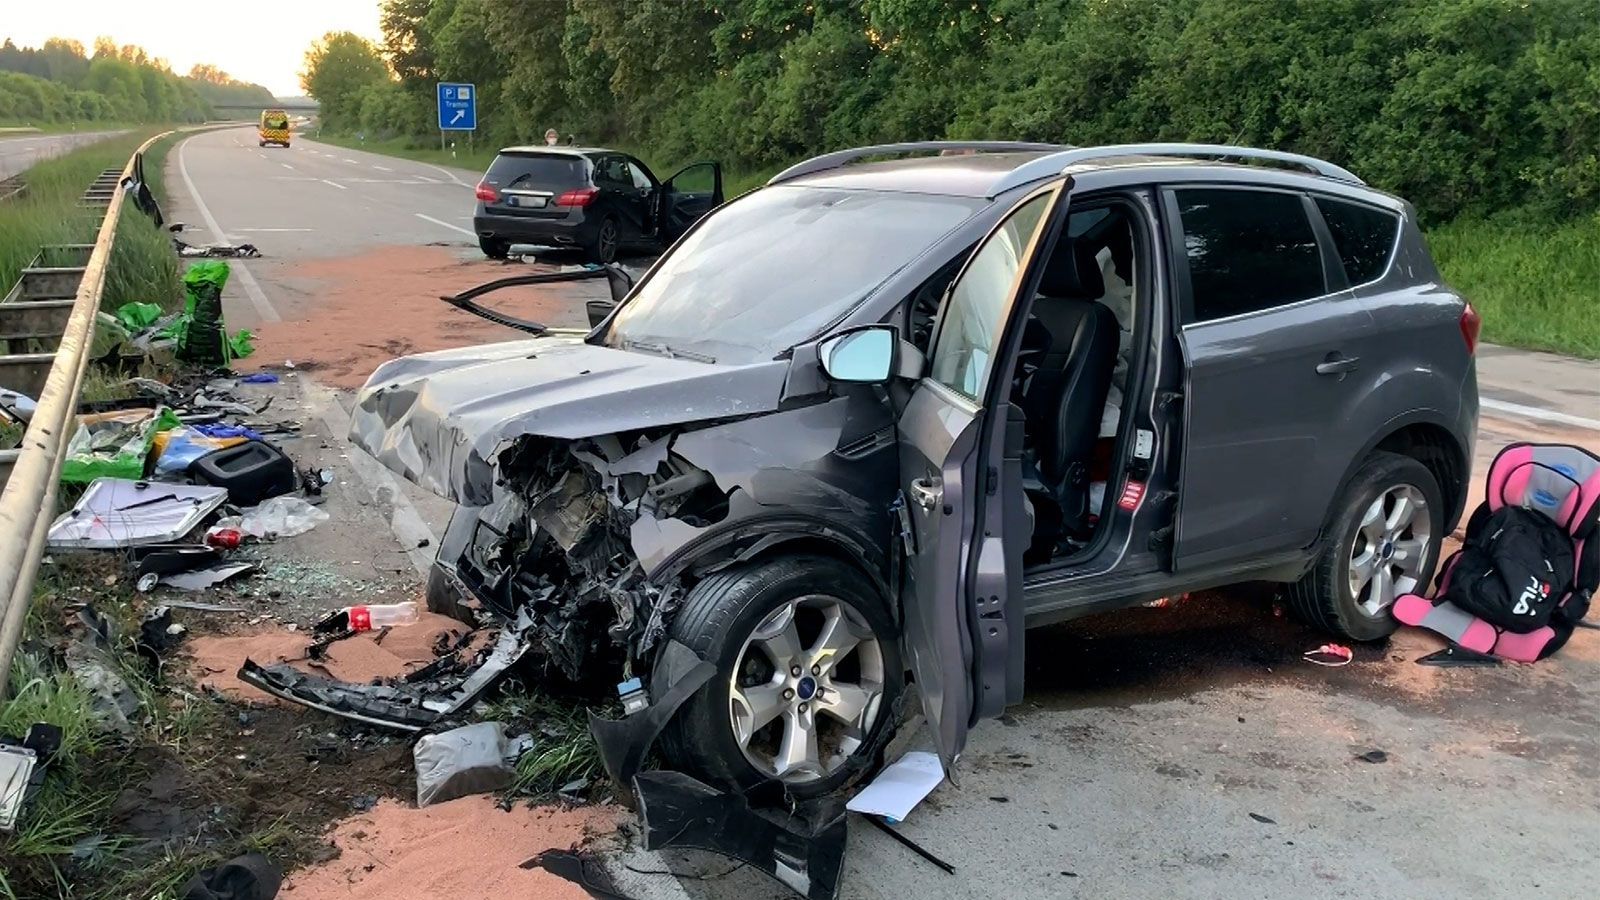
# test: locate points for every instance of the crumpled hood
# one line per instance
(440, 418)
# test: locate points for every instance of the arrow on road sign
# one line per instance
(458, 115)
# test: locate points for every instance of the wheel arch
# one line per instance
(1425, 436)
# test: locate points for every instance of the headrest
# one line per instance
(1072, 272)
(1559, 480)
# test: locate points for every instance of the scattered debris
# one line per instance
(899, 787)
(353, 619)
(472, 759)
(248, 877)
(1456, 656)
(201, 579)
(16, 772)
(574, 866)
(16, 407)
(277, 517)
(1373, 756)
(252, 471)
(1263, 819)
(116, 512)
(883, 825)
(1331, 655)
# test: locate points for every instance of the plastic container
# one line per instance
(383, 615)
(252, 472)
(224, 538)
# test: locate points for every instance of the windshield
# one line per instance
(773, 268)
(273, 120)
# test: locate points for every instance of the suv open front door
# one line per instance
(693, 191)
(961, 593)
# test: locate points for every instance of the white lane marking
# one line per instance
(428, 180)
(287, 166)
(335, 184)
(382, 168)
(471, 234)
(1537, 414)
(448, 174)
(352, 161)
(294, 178)
(415, 537)
(258, 299)
(242, 230)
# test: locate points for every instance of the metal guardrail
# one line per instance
(29, 496)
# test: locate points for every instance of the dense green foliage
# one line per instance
(58, 83)
(1460, 105)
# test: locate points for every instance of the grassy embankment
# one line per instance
(1536, 284)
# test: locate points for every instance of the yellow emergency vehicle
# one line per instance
(274, 127)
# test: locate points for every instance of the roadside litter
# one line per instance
(16, 407)
(23, 765)
(113, 444)
(278, 517)
(117, 512)
(472, 759)
(899, 787)
(1522, 582)
(1330, 655)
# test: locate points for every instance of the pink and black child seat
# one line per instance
(1530, 562)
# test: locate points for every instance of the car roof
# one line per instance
(546, 150)
(987, 174)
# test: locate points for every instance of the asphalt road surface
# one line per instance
(1185, 752)
(20, 152)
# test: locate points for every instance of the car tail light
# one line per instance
(1471, 324)
(486, 193)
(579, 197)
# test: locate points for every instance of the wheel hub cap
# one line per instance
(1389, 552)
(806, 689)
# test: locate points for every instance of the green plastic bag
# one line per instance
(240, 344)
(203, 339)
(113, 445)
(137, 316)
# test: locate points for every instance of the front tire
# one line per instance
(1382, 541)
(494, 248)
(808, 680)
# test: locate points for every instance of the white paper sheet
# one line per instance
(899, 787)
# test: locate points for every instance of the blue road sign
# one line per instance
(458, 107)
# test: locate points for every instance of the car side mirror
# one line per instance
(864, 355)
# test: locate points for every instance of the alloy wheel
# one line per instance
(806, 689)
(1390, 549)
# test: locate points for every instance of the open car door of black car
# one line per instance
(692, 192)
(961, 487)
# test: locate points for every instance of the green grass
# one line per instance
(60, 127)
(563, 751)
(1536, 285)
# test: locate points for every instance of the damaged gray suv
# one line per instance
(876, 418)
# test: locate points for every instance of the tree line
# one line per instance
(1459, 105)
(59, 82)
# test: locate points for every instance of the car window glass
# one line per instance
(536, 171)
(771, 270)
(638, 177)
(1248, 250)
(1362, 234)
(612, 170)
(970, 325)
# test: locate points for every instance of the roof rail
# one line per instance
(1046, 166)
(842, 157)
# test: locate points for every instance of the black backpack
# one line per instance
(1514, 568)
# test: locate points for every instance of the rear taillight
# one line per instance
(486, 193)
(579, 197)
(1471, 324)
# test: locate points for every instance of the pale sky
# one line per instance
(263, 41)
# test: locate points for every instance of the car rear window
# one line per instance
(1362, 234)
(537, 170)
(1248, 250)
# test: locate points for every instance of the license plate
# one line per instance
(526, 202)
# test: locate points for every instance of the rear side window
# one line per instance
(1248, 250)
(525, 170)
(1362, 234)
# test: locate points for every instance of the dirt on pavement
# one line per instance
(367, 309)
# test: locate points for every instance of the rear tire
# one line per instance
(494, 248)
(734, 619)
(603, 248)
(1391, 510)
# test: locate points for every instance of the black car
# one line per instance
(599, 200)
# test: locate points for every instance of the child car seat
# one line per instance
(1559, 481)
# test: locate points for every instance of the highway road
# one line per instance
(20, 152)
(1160, 752)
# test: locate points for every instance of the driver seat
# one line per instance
(1066, 395)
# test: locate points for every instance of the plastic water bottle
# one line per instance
(382, 615)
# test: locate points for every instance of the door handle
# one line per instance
(1338, 364)
(926, 492)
